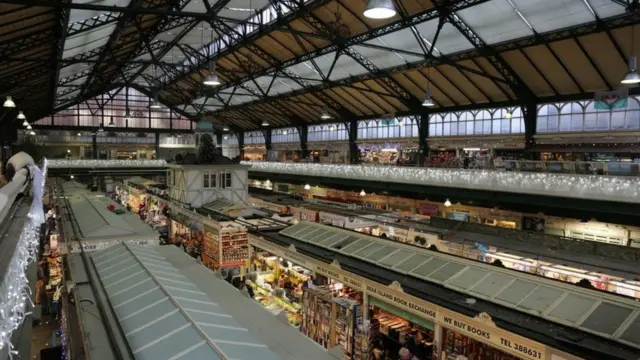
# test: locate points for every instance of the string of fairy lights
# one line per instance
(596, 187)
(15, 292)
(104, 164)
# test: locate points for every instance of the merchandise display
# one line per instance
(391, 331)
(278, 285)
(225, 245)
(457, 347)
(331, 316)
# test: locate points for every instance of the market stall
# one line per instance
(225, 245)
(278, 284)
(187, 233)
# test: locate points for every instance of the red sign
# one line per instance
(428, 209)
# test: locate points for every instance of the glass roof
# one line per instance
(164, 315)
(609, 316)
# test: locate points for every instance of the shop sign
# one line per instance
(93, 246)
(428, 209)
(402, 301)
(488, 333)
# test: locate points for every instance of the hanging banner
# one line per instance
(611, 100)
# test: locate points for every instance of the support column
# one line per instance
(267, 143)
(94, 146)
(530, 114)
(303, 132)
(423, 139)
(218, 138)
(240, 136)
(157, 148)
(354, 151)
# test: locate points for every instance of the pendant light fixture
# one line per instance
(447, 203)
(265, 123)
(29, 126)
(362, 192)
(101, 128)
(8, 103)
(428, 101)
(632, 76)
(32, 133)
(225, 129)
(155, 104)
(325, 114)
(127, 115)
(212, 78)
(380, 9)
(307, 187)
(25, 123)
(21, 116)
(111, 123)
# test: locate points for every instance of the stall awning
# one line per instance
(140, 181)
(164, 315)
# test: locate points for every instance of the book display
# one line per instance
(234, 247)
(332, 321)
(225, 246)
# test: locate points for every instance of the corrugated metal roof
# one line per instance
(610, 316)
(164, 315)
(95, 221)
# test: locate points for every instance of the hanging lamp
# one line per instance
(325, 114)
(428, 101)
(265, 123)
(29, 126)
(111, 123)
(21, 116)
(380, 9)
(8, 103)
(632, 76)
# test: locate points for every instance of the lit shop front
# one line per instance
(395, 321)
(186, 232)
(278, 284)
(225, 245)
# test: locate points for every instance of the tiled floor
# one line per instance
(42, 335)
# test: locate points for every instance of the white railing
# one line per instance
(106, 164)
(608, 188)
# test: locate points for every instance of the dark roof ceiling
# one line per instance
(286, 66)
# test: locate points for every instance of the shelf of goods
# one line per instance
(331, 321)
(277, 304)
(234, 247)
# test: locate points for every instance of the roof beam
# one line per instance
(535, 40)
(297, 9)
(515, 83)
(430, 14)
(58, 50)
(128, 10)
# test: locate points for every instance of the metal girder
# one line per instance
(515, 83)
(273, 62)
(58, 50)
(535, 40)
(430, 14)
(392, 86)
(297, 9)
(137, 38)
(127, 10)
(91, 23)
(26, 42)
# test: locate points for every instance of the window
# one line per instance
(225, 180)
(481, 122)
(400, 127)
(329, 132)
(287, 135)
(583, 116)
(209, 179)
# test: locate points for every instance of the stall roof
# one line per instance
(96, 222)
(171, 307)
(607, 315)
(577, 342)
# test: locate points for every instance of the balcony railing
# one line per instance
(560, 167)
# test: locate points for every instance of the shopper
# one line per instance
(405, 354)
(249, 289)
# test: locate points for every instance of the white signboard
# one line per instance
(97, 246)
